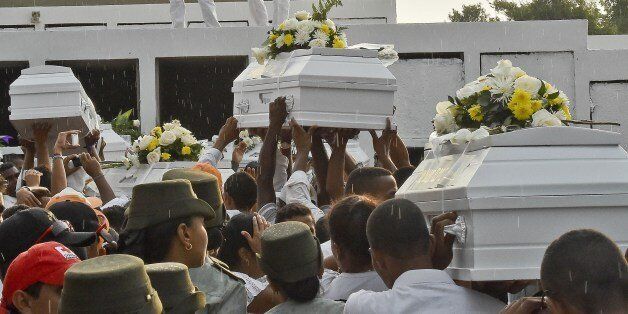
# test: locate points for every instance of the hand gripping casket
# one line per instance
(340, 88)
(51, 94)
(518, 191)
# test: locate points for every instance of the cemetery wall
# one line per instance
(436, 60)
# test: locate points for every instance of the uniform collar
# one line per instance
(422, 276)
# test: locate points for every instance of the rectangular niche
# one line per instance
(9, 72)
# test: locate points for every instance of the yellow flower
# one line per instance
(326, 29)
(281, 26)
(557, 101)
(520, 96)
(536, 105)
(156, 131)
(486, 88)
(288, 39)
(186, 150)
(522, 112)
(565, 110)
(339, 43)
(165, 156)
(475, 113)
(272, 37)
(152, 145)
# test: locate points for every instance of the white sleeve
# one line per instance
(259, 15)
(208, 9)
(269, 212)
(211, 156)
(298, 191)
(281, 12)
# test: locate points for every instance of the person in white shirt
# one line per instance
(239, 194)
(10, 175)
(401, 252)
(208, 9)
(347, 229)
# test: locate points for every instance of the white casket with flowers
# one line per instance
(51, 94)
(324, 83)
(516, 191)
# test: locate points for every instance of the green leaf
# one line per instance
(543, 89)
(553, 96)
(451, 99)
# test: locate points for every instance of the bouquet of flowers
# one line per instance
(250, 142)
(172, 142)
(303, 31)
(123, 125)
(504, 100)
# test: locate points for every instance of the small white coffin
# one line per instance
(116, 146)
(519, 191)
(51, 94)
(340, 88)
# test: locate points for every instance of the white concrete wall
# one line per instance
(436, 59)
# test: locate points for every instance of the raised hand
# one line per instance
(228, 133)
(278, 112)
(238, 153)
(255, 241)
(90, 165)
(32, 177)
(40, 132)
(64, 141)
(443, 244)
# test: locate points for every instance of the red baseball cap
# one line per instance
(44, 262)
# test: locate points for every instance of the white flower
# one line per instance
(529, 84)
(443, 107)
(144, 141)
(154, 156)
(136, 123)
(188, 139)
(317, 43)
(256, 140)
(135, 160)
(330, 24)
(501, 85)
(502, 69)
(302, 38)
(302, 15)
(248, 141)
(260, 54)
(172, 125)
(544, 118)
(477, 134)
(319, 34)
(560, 115)
(466, 91)
(564, 98)
(244, 134)
(180, 131)
(460, 137)
(306, 27)
(279, 42)
(445, 123)
(126, 162)
(167, 138)
(433, 136)
(290, 24)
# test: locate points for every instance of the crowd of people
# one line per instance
(298, 231)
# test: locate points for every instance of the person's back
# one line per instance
(224, 293)
(400, 249)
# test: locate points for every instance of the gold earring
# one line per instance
(188, 246)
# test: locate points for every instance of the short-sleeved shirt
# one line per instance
(316, 306)
(223, 293)
(344, 284)
(253, 286)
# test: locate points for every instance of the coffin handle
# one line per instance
(289, 103)
(243, 106)
(458, 229)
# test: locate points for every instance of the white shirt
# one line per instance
(253, 286)
(211, 156)
(326, 249)
(345, 284)
(298, 191)
(233, 212)
(423, 291)
(8, 201)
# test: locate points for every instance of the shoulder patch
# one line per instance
(224, 268)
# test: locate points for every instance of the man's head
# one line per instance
(296, 212)
(583, 271)
(402, 174)
(399, 239)
(12, 210)
(11, 174)
(115, 215)
(35, 278)
(375, 182)
(240, 192)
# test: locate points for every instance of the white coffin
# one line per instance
(54, 95)
(328, 87)
(122, 180)
(521, 190)
(116, 146)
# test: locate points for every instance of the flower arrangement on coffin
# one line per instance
(250, 142)
(124, 125)
(504, 100)
(172, 142)
(303, 31)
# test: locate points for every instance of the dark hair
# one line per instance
(153, 243)
(242, 188)
(402, 174)
(586, 269)
(347, 226)
(12, 210)
(33, 290)
(301, 291)
(398, 228)
(6, 166)
(234, 240)
(115, 216)
(322, 229)
(214, 238)
(290, 211)
(360, 180)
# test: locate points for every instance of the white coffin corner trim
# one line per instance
(521, 190)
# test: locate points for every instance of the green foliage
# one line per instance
(471, 13)
(617, 14)
(123, 125)
(320, 13)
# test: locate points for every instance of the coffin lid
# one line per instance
(45, 79)
(343, 67)
(529, 168)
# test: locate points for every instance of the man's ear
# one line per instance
(22, 301)
(378, 261)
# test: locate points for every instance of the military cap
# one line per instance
(174, 286)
